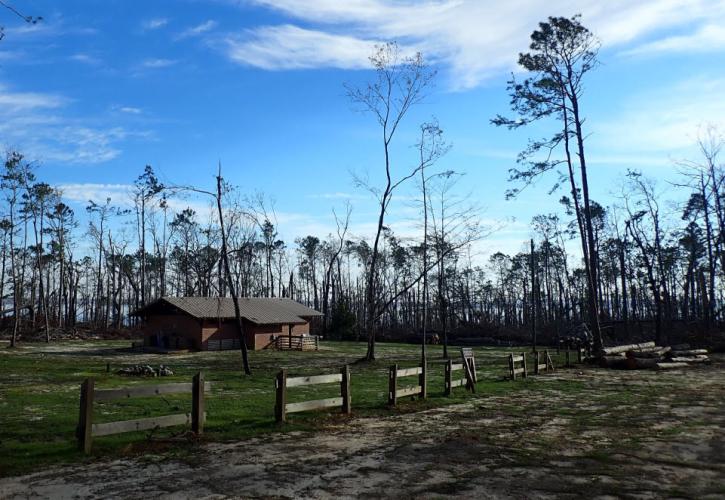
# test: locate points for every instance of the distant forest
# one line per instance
(636, 265)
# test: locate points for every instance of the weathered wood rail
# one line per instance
(282, 383)
(468, 366)
(297, 342)
(547, 365)
(519, 360)
(395, 373)
(87, 430)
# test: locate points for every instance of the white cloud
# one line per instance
(158, 63)
(291, 47)
(154, 24)
(197, 30)
(709, 38)
(120, 194)
(85, 59)
(130, 110)
(12, 102)
(35, 124)
(474, 39)
(664, 120)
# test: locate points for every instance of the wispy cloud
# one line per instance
(120, 194)
(197, 30)
(292, 47)
(709, 38)
(664, 120)
(473, 39)
(157, 63)
(13, 102)
(154, 24)
(130, 110)
(85, 59)
(38, 124)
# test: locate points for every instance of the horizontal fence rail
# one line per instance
(87, 430)
(542, 362)
(417, 390)
(517, 365)
(282, 383)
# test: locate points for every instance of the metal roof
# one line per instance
(262, 311)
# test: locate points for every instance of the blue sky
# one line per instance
(101, 88)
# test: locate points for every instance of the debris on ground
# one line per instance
(146, 371)
(647, 356)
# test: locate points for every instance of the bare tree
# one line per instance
(400, 84)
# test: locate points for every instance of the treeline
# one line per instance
(657, 261)
(638, 259)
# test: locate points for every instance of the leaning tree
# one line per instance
(562, 52)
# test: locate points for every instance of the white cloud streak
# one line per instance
(154, 24)
(474, 39)
(197, 30)
(35, 123)
(292, 47)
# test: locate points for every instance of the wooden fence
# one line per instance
(87, 430)
(282, 383)
(581, 355)
(513, 361)
(547, 365)
(417, 390)
(297, 342)
(468, 365)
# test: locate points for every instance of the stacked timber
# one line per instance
(649, 356)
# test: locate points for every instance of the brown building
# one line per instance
(207, 323)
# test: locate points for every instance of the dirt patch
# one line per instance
(623, 434)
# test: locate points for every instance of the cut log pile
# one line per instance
(649, 356)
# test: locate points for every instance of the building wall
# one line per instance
(169, 330)
(172, 331)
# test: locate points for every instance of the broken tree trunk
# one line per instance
(670, 366)
(691, 352)
(657, 352)
(631, 347)
(642, 363)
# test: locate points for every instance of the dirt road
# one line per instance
(589, 433)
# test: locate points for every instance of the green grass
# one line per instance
(39, 394)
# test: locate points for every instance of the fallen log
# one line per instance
(613, 362)
(696, 359)
(680, 347)
(657, 352)
(624, 348)
(642, 363)
(670, 366)
(691, 352)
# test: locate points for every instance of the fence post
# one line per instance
(512, 367)
(85, 420)
(197, 404)
(317, 342)
(548, 361)
(281, 386)
(448, 390)
(345, 390)
(580, 351)
(393, 385)
(536, 362)
(423, 380)
(523, 356)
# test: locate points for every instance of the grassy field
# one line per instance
(39, 393)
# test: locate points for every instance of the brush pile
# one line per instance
(649, 356)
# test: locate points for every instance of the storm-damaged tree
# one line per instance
(146, 186)
(17, 13)
(562, 52)
(400, 83)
